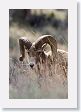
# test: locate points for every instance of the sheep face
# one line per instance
(35, 56)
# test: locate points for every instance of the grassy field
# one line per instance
(25, 83)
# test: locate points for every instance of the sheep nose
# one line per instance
(31, 65)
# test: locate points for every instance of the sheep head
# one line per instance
(36, 50)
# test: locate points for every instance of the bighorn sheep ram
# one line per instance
(57, 59)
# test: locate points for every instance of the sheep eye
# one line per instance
(28, 52)
(39, 51)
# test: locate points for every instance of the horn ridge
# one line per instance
(49, 40)
(24, 44)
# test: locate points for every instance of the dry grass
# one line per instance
(27, 83)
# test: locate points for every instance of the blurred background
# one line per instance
(24, 83)
(34, 23)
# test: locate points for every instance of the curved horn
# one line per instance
(24, 44)
(49, 40)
